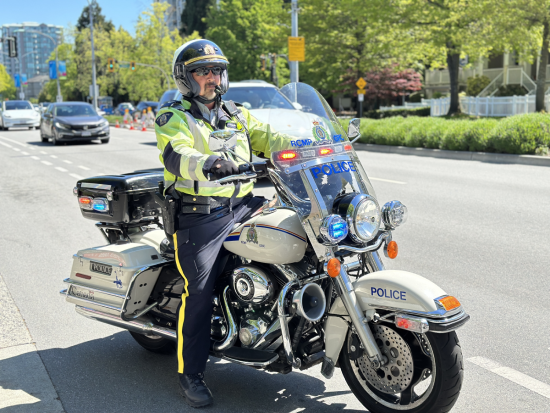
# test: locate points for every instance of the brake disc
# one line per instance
(395, 376)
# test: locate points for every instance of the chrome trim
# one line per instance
(132, 282)
(143, 326)
(373, 259)
(431, 316)
(286, 272)
(352, 265)
(142, 312)
(315, 278)
(283, 317)
(96, 303)
(252, 363)
(351, 214)
(275, 325)
(95, 186)
(325, 225)
(387, 208)
(63, 292)
(77, 284)
(317, 161)
(231, 336)
(381, 238)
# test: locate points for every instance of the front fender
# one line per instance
(398, 290)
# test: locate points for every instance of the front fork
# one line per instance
(358, 319)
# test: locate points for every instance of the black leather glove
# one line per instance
(222, 168)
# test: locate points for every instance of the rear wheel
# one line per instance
(424, 373)
(156, 344)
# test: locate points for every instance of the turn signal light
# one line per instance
(326, 151)
(391, 250)
(418, 325)
(347, 147)
(287, 155)
(333, 267)
(449, 302)
(85, 202)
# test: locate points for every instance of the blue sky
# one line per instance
(64, 12)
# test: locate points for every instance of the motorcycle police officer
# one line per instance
(208, 211)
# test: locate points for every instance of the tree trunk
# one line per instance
(453, 63)
(541, 80)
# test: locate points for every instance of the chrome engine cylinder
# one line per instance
(252, 285)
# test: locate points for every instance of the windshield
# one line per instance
(75, 110)
(315, 171)
(14, 105)
(258, 97)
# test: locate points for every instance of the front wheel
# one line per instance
(424, 372)
(155, 344)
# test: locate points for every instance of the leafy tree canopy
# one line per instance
(7, 85)
(193, 16)
(99, 19)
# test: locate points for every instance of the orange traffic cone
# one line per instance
(117, 124)
(132, 126)
(143, 128)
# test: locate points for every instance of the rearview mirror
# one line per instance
(354, 132)
(222, 140)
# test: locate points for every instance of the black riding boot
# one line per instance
(195, 392)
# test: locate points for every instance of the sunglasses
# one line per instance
(203, 71)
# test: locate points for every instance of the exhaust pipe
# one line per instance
(137, 326)
(231, 336)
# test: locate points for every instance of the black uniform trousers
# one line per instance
(199, 257)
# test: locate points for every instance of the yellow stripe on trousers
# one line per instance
(181, 315)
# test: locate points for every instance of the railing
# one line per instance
(408, 105)
(500, 106)
(492, 87)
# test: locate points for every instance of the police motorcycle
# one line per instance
(304, 284)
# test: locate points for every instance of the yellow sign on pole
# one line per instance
(296, 49)
(361, 83)
(361, 92)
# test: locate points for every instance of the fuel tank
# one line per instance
(275, 236)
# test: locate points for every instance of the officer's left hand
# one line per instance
(223, 168)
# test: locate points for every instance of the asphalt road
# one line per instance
(479, 230)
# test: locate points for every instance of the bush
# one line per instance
(381, 114)
(520, 134)
(474, 85)
(511, 90)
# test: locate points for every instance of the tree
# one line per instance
(193, 15)
(246, 29)
(100, 20)
(7, 85)
(388, 83)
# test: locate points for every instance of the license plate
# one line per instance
(82, 293)
(86, 133)
(101, 268)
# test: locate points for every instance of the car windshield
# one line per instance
(18, 105)
(75, 110)
(258, 97)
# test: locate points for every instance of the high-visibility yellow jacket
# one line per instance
(183, 144)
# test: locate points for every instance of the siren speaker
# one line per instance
(310, 302)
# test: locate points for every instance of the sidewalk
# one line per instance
(460, 155)
(25, 386)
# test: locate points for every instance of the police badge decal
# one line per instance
(252, 235)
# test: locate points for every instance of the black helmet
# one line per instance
(194, 54)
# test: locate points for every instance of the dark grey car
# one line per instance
(73, 121)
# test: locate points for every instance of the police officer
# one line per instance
(209, 210)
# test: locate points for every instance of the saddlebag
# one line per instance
(115, 279)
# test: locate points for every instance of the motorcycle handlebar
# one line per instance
(246, 173)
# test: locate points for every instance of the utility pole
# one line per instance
(294, 65)
(94, 85)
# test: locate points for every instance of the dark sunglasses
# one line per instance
(203, 71)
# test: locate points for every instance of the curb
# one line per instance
(459, 155)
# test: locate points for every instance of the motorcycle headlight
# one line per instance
(394, 213)
(363, 217)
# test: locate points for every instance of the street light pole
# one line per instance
(59, 96)
(94, 85)
(294, 65)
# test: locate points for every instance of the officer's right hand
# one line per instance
(223, 168)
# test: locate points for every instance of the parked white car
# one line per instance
(18, 114)
(268, 105)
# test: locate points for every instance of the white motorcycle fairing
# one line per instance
(396, 291)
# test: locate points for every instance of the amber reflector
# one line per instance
(86, 277)
(392, 249)
(333, 267)
(449, 302)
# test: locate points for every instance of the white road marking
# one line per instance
(53, 156)
(34, 149)
(61, 169)
(83, 167)
(5, 144)
(17, 149)
(515, 376)
(47, 163)
(12, 141)
(43, 153)
(36, 158)
(24, 153)
(387, 180)
(69, 162)
(16, 398)
(76, 176)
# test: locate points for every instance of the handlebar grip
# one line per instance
(244, 168)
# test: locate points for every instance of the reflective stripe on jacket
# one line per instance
(183, 145)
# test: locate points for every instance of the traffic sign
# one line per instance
(361, 92)
(124, 65)
(360, 98)
(361, 83)
(296, 49)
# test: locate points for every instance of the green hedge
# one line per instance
(382, 114)
(520, 134)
